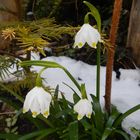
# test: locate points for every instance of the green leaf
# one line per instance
(56, 92)
(37, 133)
(46, 121)
(86, 124)
(9, 136)
(76, 98)
(72, 90)
(106, 133)
(63, 112)
(50, 64)
(64, 101)
(72, 78)
(73, 130)
(124, 134)
(136, 131)
(95, 14)
(93, 133)
(112, 119)
(126, 114)
(83, 91)
(98, 114)
(47, 64)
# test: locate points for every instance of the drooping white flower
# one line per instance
(83, 108)
(87, 34)
(37, 101)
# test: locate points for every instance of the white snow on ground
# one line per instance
(125, 92)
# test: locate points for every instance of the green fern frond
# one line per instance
(5, 63)
(25, 83)
(35, 35)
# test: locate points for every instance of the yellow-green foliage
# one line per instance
(25, 83)
(35, 35)
(30, 36)
(5, 63)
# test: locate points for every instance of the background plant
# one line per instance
(70, 128)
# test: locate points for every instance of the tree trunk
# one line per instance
(9, 11)
(133, 39)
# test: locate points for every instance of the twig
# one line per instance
(7, 113)
(11, 54)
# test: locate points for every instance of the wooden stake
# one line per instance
(110, 57)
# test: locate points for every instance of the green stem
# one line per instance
(86, 19)
(72, 78)
(38, 78)
(49, 64)
(98, 73)
(94, 12)
(83, 91)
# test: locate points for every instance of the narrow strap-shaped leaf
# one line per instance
(9, 136)
(76, 98)
(126, 114)
(106, 133)
(37, 133)
(72, 90)
(56, 92)
(73, 130)
(95, 13)
(50, 64)
(64, 101)
(83, 91)
(46, 121)
(63, 112)
(86, 124)
(37, 122)
(98, 114)
(122, 133)
(93, 133)
(48, 132)
(112, 119)
(71, 77)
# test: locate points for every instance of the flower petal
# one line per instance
(35, 107)
(38, 101)
(88, 34)
(27, 103)
(80, 116)
(93, 37)
(44, 105)
(79, 41)
(83, 108)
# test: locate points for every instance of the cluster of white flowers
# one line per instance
(38, 100)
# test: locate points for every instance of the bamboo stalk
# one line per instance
(110, 57)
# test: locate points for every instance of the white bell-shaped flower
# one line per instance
(83, 108)
(37, 101)
(87, 34)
